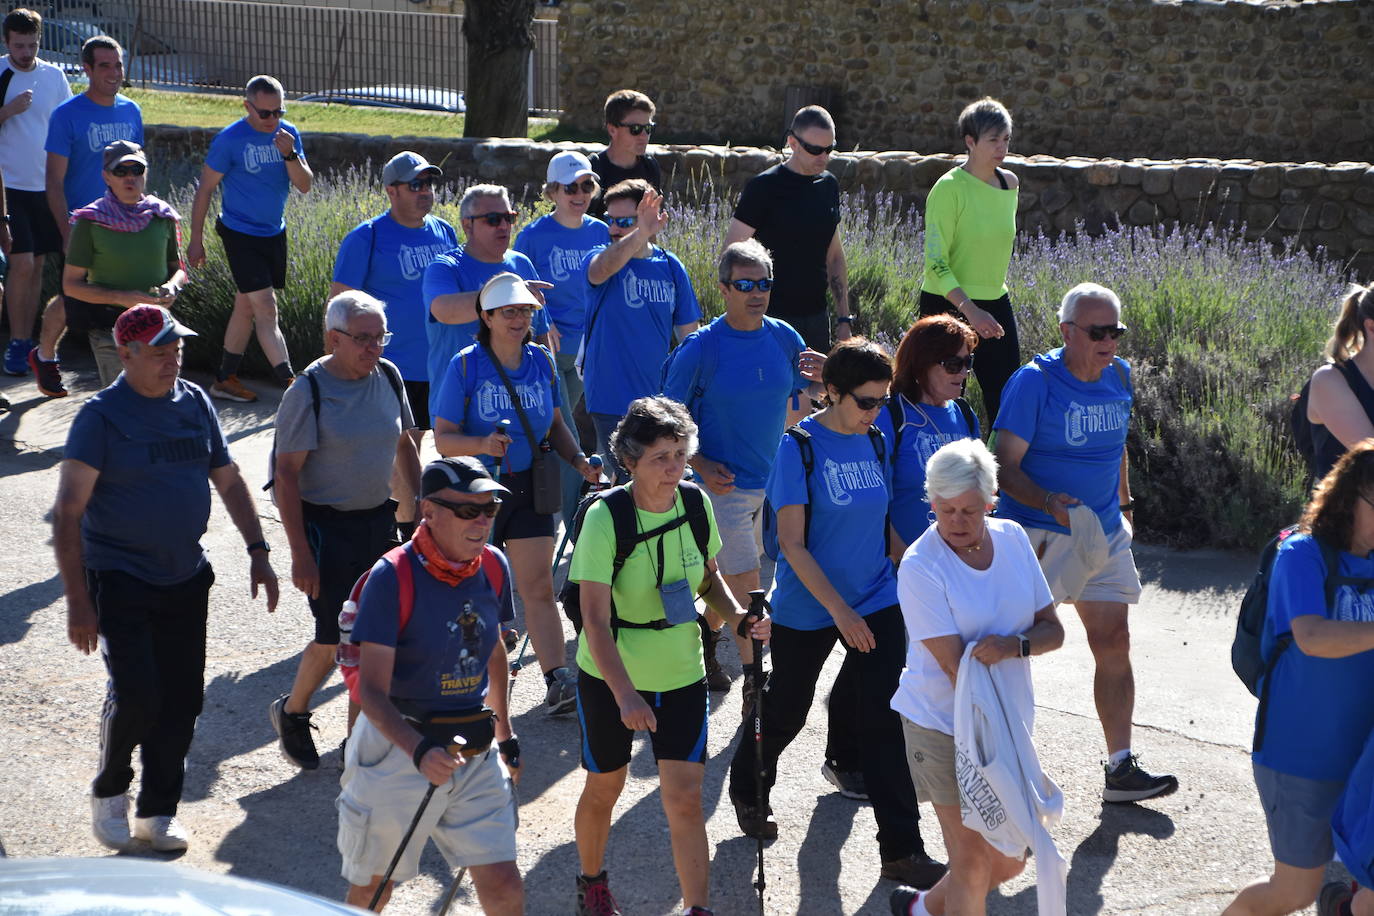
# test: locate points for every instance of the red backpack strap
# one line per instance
(399, 558)
(495, 572)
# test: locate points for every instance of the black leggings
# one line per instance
(798, 657)
(997, 357)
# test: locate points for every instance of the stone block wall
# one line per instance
(1158, 78)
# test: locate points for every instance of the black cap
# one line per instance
(464, 474)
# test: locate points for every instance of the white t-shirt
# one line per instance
(941, 595)
(22, 137)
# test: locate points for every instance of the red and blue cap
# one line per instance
(149, 324)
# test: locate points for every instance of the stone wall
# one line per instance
(1222, 78)
(1327, 205)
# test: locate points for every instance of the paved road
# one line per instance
(254, 815)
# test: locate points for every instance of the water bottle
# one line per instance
(347, 653)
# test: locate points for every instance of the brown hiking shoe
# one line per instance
(231, 389)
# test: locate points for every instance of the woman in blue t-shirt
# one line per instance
(1317, 717)
(500, 378)
(927, 411)
(835, 582)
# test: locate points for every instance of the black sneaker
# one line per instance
(1129, 783)
(902, 899)
(849, 783)
(1335, 898)
(716, 679)
(755, 821)
(293, 732)
(918, 870)
(594, 896)
(47, 375)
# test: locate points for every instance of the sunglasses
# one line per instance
(622, 222)
(1100, 331)
(367, 340)
(870, 403)
(266, 113)
(586, 186)
(512, 312)
(747, 286)
(416, 184)
(496, 219)
(468, 511)
(956, 364)
(812, 148)
(125, 169)
(637, 129)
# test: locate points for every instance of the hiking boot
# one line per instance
(849, 783)
(47, 375)
(231, 389)
(716, 679)
(110, 820)
(594, 896)
(1129, 783)
(165, 833)
(755, 821)
(17, 356)
(917, 870)
(748, 694)
(902, 900)
(1335, 898)
(561, 697)
(293, 732)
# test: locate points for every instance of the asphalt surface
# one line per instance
(254, 815)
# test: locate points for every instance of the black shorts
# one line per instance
(31, 224)
(517, 519)
(256, 261)
(417, 393)
(345, 545)
(682, 716)
(814, 328)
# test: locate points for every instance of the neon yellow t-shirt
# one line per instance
(970, 229)
(658, 660)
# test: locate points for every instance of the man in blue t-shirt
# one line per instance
(386, 257)
(1061, 442)
(443, 673)
(640, 299)
(258, 159)
(132, 505)
(453, 280)
(78, 132)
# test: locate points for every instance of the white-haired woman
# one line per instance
(969, 578)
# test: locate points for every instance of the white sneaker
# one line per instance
(165, 833)
(110, 820)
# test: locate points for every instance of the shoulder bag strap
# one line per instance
(515, 401)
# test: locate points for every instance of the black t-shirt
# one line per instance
(794, 216)
(610, 175)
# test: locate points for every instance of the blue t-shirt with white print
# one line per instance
(255, 184)
(630, 321)
(80, 129)
(849, 492)
(925, 430)
(387, 260)
(1076, 432)
(474, 397)
(558, 254)
(743, 407)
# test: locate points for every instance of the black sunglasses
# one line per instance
(956, 364)
(496, 219)
(266, 113)
(637, 129)
(747, 286)
(416, 184)
(812, 148)
(1100, 331)
(125, 169)
(870, 403)
(623, 222)
(586, 186)
(468, 511)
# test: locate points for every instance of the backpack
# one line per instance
(398, 557)
(808, 458)
(621, 504)
(709, 345)
(393, 375)
(1304, 438)
(897, 413)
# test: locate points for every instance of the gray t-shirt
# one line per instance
(353, 446)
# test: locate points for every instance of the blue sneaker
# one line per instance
(17, 356)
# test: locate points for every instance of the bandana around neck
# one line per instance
(110, 212)
(434, 561)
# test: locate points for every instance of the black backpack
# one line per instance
(621, 504)
(1304, 439)
(808, 459)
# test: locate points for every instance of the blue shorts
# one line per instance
(1298, 812)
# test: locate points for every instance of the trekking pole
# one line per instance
(502, 427)
(516, 667)
(405, 840)
(758, 610)
(452, 891)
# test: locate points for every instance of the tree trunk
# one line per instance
(500, 37)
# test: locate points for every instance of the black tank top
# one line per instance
(1327, 449)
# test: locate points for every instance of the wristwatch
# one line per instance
(291, 156)
(259, 545)
(1025, 644)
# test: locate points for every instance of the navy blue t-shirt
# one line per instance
(925, 429)
(80, 130)
(255, 184)
(151, 503)
(558, 254)
(474, 397)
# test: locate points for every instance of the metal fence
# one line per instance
(401, 58)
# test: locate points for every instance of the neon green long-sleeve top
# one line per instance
(970, 228)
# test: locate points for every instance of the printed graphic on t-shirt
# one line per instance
(1352, 604)
(564, 263)
(493, 400)
(413, 259)
(99, 136)
(467, 630)
(639, 293)
(1081, 421)
(255, 156)
(928, 443)
(844, 478)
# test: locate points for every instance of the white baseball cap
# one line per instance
(568, 166)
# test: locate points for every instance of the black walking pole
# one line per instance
(452, 891)
(758, 610)
(377, 895)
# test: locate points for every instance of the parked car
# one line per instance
(420, 98)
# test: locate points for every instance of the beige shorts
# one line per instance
(930, 756)
(1115, 581)
(471, 818)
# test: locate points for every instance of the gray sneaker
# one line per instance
(165, 833)
(561, 697)
(110, 820)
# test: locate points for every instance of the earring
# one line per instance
(930, 516)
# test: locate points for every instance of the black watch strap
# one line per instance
(260, 545)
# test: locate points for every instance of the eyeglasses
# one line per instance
(416, 184)
(496, 219)
(468, 511)
(1099, 331)
(586, 186)
(266, 113)
(512, 312)
(622, 222)
(747, 286)
(637, 129)
(870, 403)
(812, 148)
(368, 340)
(124, 170)
(956, 364)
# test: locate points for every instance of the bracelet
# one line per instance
(424, 747)
(291, 156)
(1128, 506)
(259, 545)
(1048, 496)
(844, 319)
